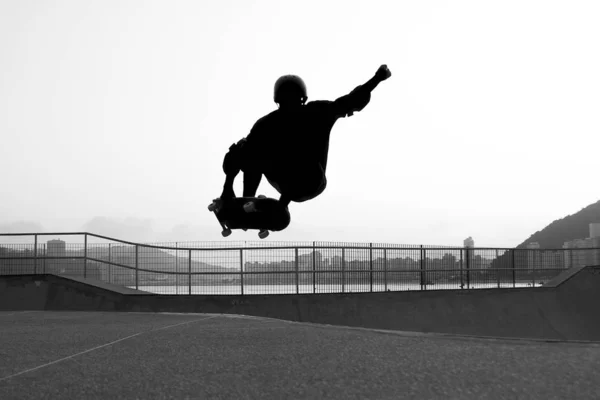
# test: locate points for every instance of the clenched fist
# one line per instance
(383, 73)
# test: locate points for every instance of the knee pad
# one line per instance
(234, 160)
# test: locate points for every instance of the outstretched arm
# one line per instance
(361, 95)
(381, 75)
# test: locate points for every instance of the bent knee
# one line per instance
(235, 159)
(299, 193)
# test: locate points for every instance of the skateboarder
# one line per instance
(289, 146)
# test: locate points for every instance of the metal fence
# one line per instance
(250, 268)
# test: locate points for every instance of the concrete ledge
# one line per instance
(563, 310)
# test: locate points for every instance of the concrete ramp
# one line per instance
(566, 308)
(53, 292)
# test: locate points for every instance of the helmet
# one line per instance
(289, 86)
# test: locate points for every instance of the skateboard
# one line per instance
(262, 213)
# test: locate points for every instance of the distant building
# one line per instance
(595, 229)
(552, 259)
(56, 248)
(469, 243)
(336, 262)
(584, 251)
(533, 257)
(305, 261)
(479, 262)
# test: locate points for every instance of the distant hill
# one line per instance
(571, 227)
(149, 258)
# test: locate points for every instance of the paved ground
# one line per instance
(144, 355)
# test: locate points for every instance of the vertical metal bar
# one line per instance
(371, 267)
(514, 277)
(537, 256)
(462, 282)
(296, 269)
(45, 256)
(85, 247)
(35, 255)
(422, 278)
(385, 270)
(497, 269)
(176, 270)
(571, 253)
(190, 271)
(137, 267)
(314, 270)
(425, 276)
(109, 265)
(343, 266)
(242, 271)
(468, 251)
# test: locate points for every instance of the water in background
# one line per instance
(319, 288)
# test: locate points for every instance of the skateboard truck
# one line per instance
(263, 233)
(251, 205)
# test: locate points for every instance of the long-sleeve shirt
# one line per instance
(290, 138)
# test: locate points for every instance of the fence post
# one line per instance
(371, 267)
(242, 271)
(422, 277)
(109, 265)
(137, 270)
(296, 269)
(35, 239)
(385, 277)
(45, 256)
(497, 271)
(468, 267)
(537, 257)
(314, 270)
(571, 258)
(343, 266)
(85, 243)
(514, 277)
(189, 271)
(462, 282)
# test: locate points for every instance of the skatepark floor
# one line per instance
(100, 355)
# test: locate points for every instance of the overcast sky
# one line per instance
(115, 115)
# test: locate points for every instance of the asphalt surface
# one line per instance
(95, 355)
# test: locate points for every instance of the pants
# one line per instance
(296, 178)
(299, 184)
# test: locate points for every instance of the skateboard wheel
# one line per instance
(262, 196)
(226, 232)
(263, 233)
(250, 207)
(212, 207)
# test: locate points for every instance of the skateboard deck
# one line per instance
(260, 213)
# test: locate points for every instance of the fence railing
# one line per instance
(282, 268)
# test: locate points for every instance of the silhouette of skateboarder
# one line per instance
(289, 146)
